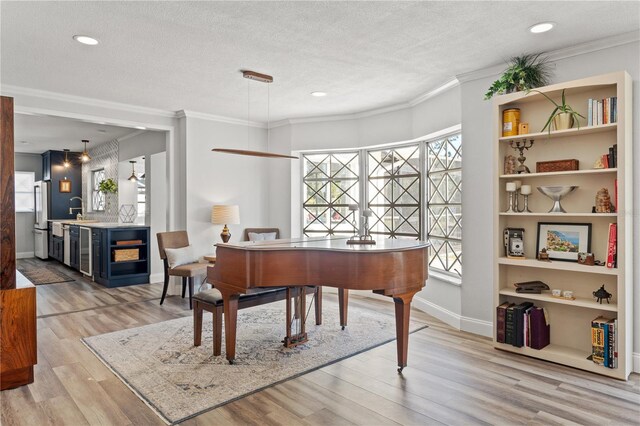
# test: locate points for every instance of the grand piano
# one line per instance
(392, 267)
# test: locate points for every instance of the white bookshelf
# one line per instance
(570, 320)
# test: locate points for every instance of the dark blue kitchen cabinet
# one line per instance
(53, 170)
(109, 268)
(74, 247)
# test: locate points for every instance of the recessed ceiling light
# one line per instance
(542, 27)
(318, 94)
(102, 131)
(24, 142)
(85, 40)
(140, 128)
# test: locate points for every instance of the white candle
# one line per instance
(525, 189)
(518, 183)
(511, 186)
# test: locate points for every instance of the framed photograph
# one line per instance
(564, 241)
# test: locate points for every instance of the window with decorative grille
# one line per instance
(444, 203)
(97, 197)
(330, 185)
(24, 182)
(394, 191)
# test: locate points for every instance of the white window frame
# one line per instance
(21, 208)
(94, 189)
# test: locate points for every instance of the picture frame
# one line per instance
(564, 241)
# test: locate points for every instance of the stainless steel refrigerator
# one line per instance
(41, 194)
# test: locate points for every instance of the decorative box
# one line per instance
(556, 166)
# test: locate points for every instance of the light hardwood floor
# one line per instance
(453, 377)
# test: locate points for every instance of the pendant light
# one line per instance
(133, 177)
(85, 154)
(66, 162)
(263, 78)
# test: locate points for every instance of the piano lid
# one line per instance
(329, 244)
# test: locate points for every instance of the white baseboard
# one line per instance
(476, 326)
(25, 255)
(444, 315)
(636, 362)
(156, 278)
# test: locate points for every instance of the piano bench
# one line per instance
(211, 301)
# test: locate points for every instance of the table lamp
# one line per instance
(224, 215)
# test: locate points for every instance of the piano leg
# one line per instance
(403, 310)
(230, 302)
(318, 305)
(343, 301)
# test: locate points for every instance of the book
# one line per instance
(526, 329)
(615, 155)
(611, 245)
(509, 330)
(599, 113)
(610, 159)
(605, 160)
(597, 340)
(518, 323)
(615, 110)
(615, 343)
(501, 316)
(539, 328)
(590, 112)
(605, 111)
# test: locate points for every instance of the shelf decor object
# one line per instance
(520, 146)
(127, 213)
(570, 319)
(556, 193)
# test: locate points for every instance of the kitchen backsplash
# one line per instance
(103, 156)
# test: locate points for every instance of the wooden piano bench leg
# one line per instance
(197, 323)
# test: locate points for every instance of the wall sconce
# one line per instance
(64, 185)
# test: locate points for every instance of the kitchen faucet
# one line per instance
(81, 208)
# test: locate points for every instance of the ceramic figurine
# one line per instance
(603, 201)
(598, 164)
(509, 164)
(601, 294)
(543, 255)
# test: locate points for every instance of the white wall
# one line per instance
(216, 178)
(145, 143)
(157, 196)
(24, 220)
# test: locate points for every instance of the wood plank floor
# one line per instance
(453, 377)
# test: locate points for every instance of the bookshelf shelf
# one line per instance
(556, 174)
(583, 130)
(570, 319)
(558, 265)
(564, 355)
(546, 297)
(593, 215)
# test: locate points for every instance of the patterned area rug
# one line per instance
(39, 276)
(178, 381)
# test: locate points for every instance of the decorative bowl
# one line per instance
(556, 193)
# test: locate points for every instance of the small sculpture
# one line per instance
(601, 294)
(586, 259)
(543, 255)
(603, 201)
(598, 164)
(509, 165)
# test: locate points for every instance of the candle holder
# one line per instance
(525, 208)
(512, 199)
(521, 146)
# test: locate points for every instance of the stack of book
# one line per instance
(602, 111)
(604, 342)
(522, 325)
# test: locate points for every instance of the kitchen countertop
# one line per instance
(92, 224)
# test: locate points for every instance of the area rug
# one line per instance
(178, 381)
(39, 276)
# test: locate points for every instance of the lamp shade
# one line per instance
(225, 215)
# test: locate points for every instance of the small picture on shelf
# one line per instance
(564, 241)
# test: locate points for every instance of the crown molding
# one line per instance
(559, 54)
(218, 118)
(45, 94)
(450, 84)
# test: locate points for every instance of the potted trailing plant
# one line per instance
(563, 116)
(108, 186)
(525, 72)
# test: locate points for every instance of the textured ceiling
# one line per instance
(43, 133)
(366, 55)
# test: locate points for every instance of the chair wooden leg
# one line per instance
(197, 323)
(318, 305)
(165, 288)
(191, 284)
(184, 285)
(217, 331)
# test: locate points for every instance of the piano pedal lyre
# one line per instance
(297, 296)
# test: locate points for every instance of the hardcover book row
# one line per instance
(523, 325)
